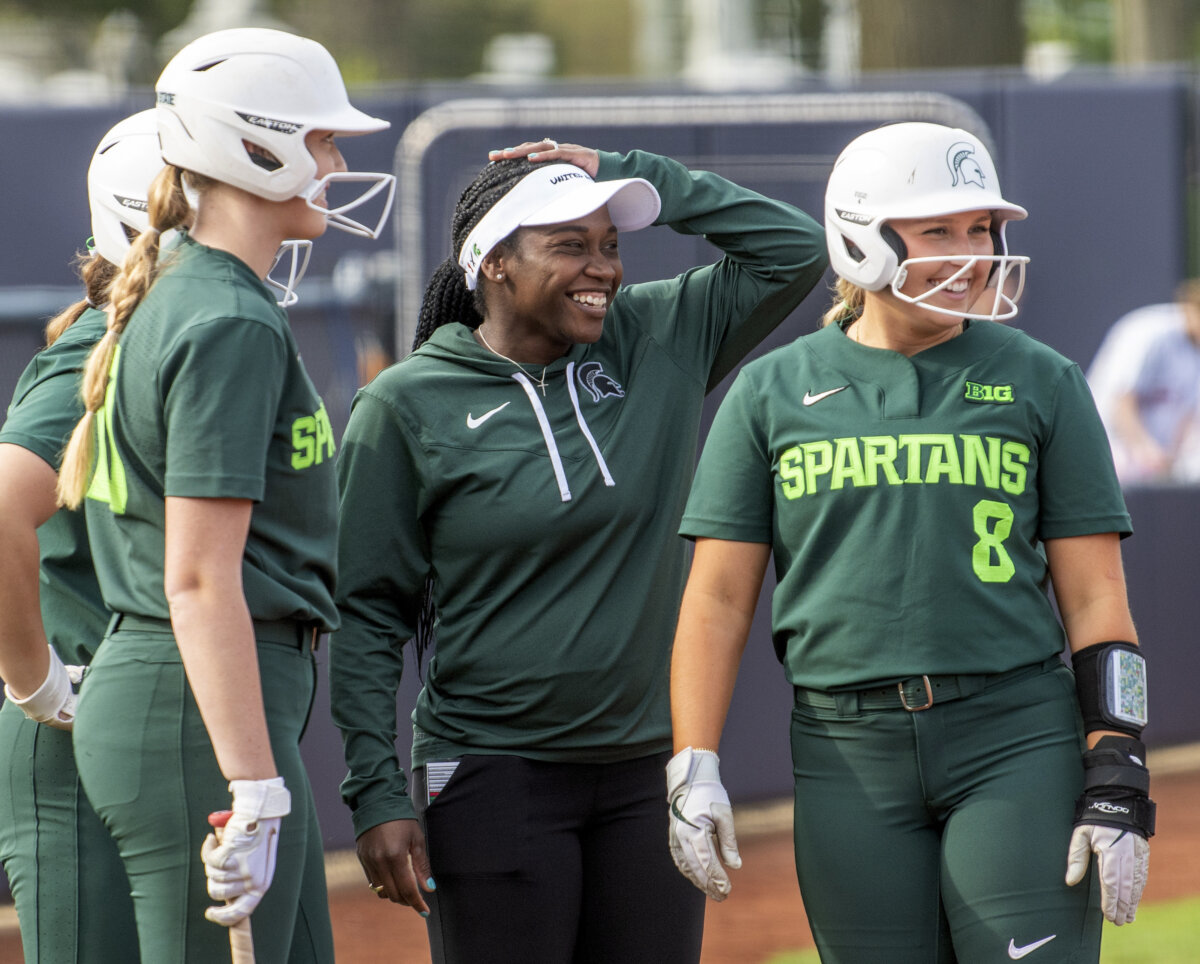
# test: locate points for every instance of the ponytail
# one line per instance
(848, 303)
(97, 273)
(448, 299)
(169, 209)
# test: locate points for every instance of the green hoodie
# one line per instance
(548, 523)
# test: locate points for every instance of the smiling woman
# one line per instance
(935, 726)
(517, 481)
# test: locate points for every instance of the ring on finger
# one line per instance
(378, 888)
(552, 142)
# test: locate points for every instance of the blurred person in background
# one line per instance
(1146, 382)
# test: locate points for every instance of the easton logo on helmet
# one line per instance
(591, 376)
(963, 166)
(854, 217)
(137, 204)
(283, 127)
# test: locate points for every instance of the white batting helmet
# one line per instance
(229, 96)
(125, 162)
(914, 170)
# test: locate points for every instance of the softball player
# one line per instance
(54, 848)
(918, 474)
(211, 508)
(530, 460)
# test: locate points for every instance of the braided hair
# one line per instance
(97, 274)
(448, 299)
(848, 303)
(169, 209)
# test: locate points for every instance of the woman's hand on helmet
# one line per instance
(548, 149)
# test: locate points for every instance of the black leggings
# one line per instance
(555, 863)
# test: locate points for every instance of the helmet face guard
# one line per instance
(336, 216)
(917, 170)
(1006, 281)
(297, 253)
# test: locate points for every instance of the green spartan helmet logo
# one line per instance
(963, 166)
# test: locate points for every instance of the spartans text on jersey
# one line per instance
(872, 460)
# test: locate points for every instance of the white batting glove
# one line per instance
(701, 834)
(1122, 861)
(52, 703)
(239, 859)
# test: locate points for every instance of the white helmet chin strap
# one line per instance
(300, 252)
(337, 215)
(1003, 303)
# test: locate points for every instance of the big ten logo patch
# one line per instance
(996, 394)
(312, 439)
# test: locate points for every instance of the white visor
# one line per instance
(554, 194)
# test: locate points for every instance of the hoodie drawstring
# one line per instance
(583, 426)
(560, 475)
(564, 491)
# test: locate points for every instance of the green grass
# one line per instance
(1164, 933)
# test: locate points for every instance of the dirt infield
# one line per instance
(763, 916)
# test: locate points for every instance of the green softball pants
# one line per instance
(148, 768)
(941, 836)
(57, 854)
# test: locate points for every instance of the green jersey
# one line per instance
(546, 521)
(906, 499)
(44, 410)
(208, 398)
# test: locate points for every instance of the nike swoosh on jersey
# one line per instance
(1016, 953)
(810, 399)
(476, 422)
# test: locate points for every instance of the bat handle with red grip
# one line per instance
(241, 941)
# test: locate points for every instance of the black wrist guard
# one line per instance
(1116, 787)
(1110, 681)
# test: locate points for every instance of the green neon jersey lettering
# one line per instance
(943, 461)
(989, 558)
(847, 464)
(108, 479)
(818, 460)
(879, 453)
(1014, 459)
(312, 439)
(791, 471)
(978, 463)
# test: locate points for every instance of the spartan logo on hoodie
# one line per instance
(591, 376)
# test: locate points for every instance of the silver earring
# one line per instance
(499, 275)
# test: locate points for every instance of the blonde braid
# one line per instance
(168, 209)
(848, 303)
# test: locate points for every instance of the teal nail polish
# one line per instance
(424, 913)
(430, 884)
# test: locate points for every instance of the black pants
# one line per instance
(555, 863)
